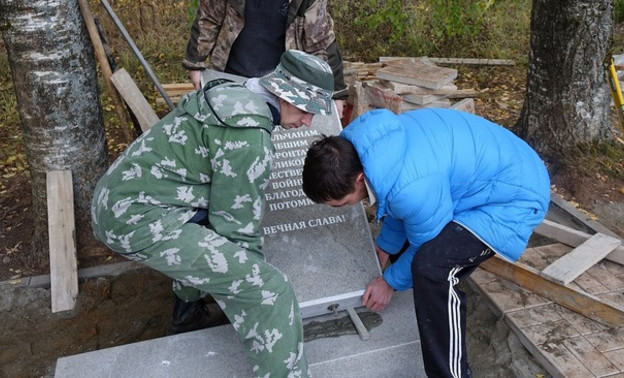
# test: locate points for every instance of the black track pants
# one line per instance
(437, 268)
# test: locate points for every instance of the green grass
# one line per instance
(619, 11)
(438, 28)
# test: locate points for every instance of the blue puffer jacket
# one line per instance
(433, 166)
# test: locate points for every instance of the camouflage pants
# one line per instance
(257, 298)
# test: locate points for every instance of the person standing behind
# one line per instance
(247, 38)
(187, 198)
(458, 188)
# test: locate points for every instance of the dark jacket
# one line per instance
(309, 28)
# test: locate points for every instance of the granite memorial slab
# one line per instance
(327, 253)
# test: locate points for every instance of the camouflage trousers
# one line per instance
(257, 298)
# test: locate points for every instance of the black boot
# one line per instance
(191, 316)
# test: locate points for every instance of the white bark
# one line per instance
(53, 70)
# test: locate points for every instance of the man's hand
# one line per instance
(195, 76)
(377, 294)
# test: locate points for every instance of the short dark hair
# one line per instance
(330, 169)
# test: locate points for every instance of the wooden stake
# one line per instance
(62, 234)
(100, 54)
(135, 99)
(467, 61)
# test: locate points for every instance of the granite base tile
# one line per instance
(590, 357)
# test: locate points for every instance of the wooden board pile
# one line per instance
(402, 84)
(398, 84)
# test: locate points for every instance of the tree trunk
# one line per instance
(567, 100)
(53, 70)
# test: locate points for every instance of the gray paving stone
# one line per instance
(327, 252)
(393, 350)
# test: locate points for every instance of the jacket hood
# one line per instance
(384, 132)
(228, 105)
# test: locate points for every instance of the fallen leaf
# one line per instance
(13, 249)
(502, 105)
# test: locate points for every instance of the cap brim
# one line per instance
(305, 99)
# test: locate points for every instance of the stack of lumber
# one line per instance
(398, 84)
(402, 84)
(175, 91)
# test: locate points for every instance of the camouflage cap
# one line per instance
(302, 80)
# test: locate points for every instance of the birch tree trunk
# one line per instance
(54, 75)
(567, 100)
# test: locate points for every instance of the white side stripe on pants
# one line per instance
(455, 337)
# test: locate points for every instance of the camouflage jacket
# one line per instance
(215, 156)
(309, 28)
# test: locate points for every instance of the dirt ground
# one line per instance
(136, 305)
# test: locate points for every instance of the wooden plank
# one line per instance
(100, 54)
(466, 105)
(571, 265)
(357, 97)
(406, 89)
(574, 238)
(188, 87)
(177, 93)
(418, 73)
(423, 99)
(407, 106)
(135, 99)
(583, 217)
(463, 93)
(402, 89)
(178, 89)
(62, 233)
(603, 311)
(562, 234)
(466, 61)
(359, 326)
(405, 61)
(175, 99)
(383, 98)
(477, 62)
